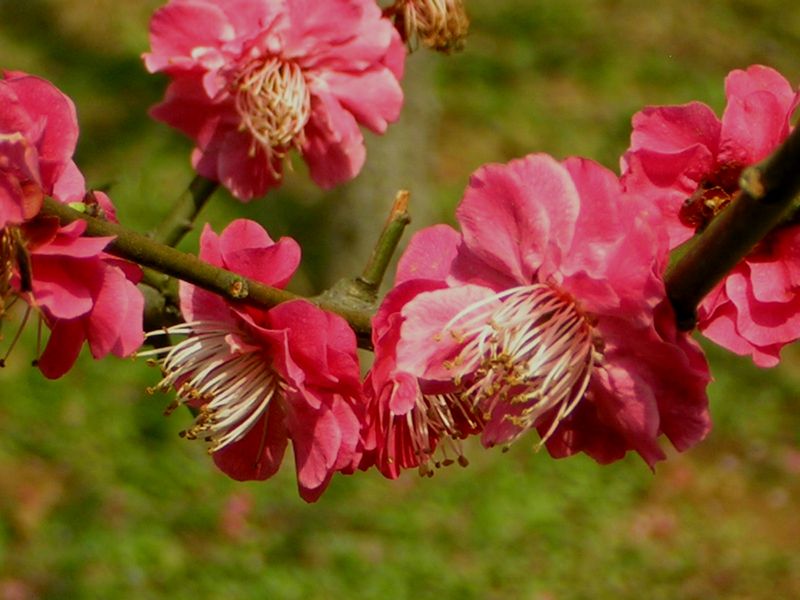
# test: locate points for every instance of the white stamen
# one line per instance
(234, 387)
(274, 104)
(535, 350)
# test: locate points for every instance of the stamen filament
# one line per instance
(526, 351)
(232, 387)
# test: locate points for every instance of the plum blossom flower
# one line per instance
(80, 293)
(688, 162)
(260, 378)
(252, 79)
(441, 25)
(547, 312)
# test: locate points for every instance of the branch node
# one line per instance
(750, 182)
(238, 289)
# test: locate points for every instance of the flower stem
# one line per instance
(768, 190)
(180, 219)
(372, 276)
(361, 293)
(148, 253)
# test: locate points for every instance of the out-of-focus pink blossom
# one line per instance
(547, 311)
(261, 378)
(688, 162)
(81, 293)
(441, 25)
(252, 79)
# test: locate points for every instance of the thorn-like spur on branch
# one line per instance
(187, 267)
(768, 190)
(372, 276)
(362, 292)
(180, 219)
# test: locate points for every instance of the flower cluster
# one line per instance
(253, 79)
(688, 162)
(546, 312)
(81, 293)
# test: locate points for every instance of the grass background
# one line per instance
(99, 498)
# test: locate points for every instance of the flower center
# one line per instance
(274, 105)
(431, 432)
(523, 357)
(439, 24)
(231, 387)
(711, 197)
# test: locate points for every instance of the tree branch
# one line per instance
(768, 190)
(187, 267)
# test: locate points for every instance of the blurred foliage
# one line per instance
(100, 499)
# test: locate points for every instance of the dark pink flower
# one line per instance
(253, 79)
(81, 293)
(260, 378)
(38, 133)
(688, 162)
(548, 312)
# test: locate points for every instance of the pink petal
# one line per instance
(721, 329)
(63, 287)
(424, 348)
(245, 175)
(760, 104)
(334, 146)
(181, 28)
(374, 97)
(115, 323)
(63, 348)
(248, 250)
(429, 254)
(258, 455)
(674, 129)
(518, 217)
(752, 127)
(316, 440)
(56, 112)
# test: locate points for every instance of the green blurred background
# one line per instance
(99, 498)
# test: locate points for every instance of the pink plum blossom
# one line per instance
(546, 312)
(260, 378)
(252, 79)
(688, 162)
(81, 293)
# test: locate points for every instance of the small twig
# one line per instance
(180, 219)
(375, 270)
(361, 293)
(768, 190)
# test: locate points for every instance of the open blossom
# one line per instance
(253, 79)
(548, 312)
(261, 378)
(438, 24)
(80, 293)
(688, 162)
